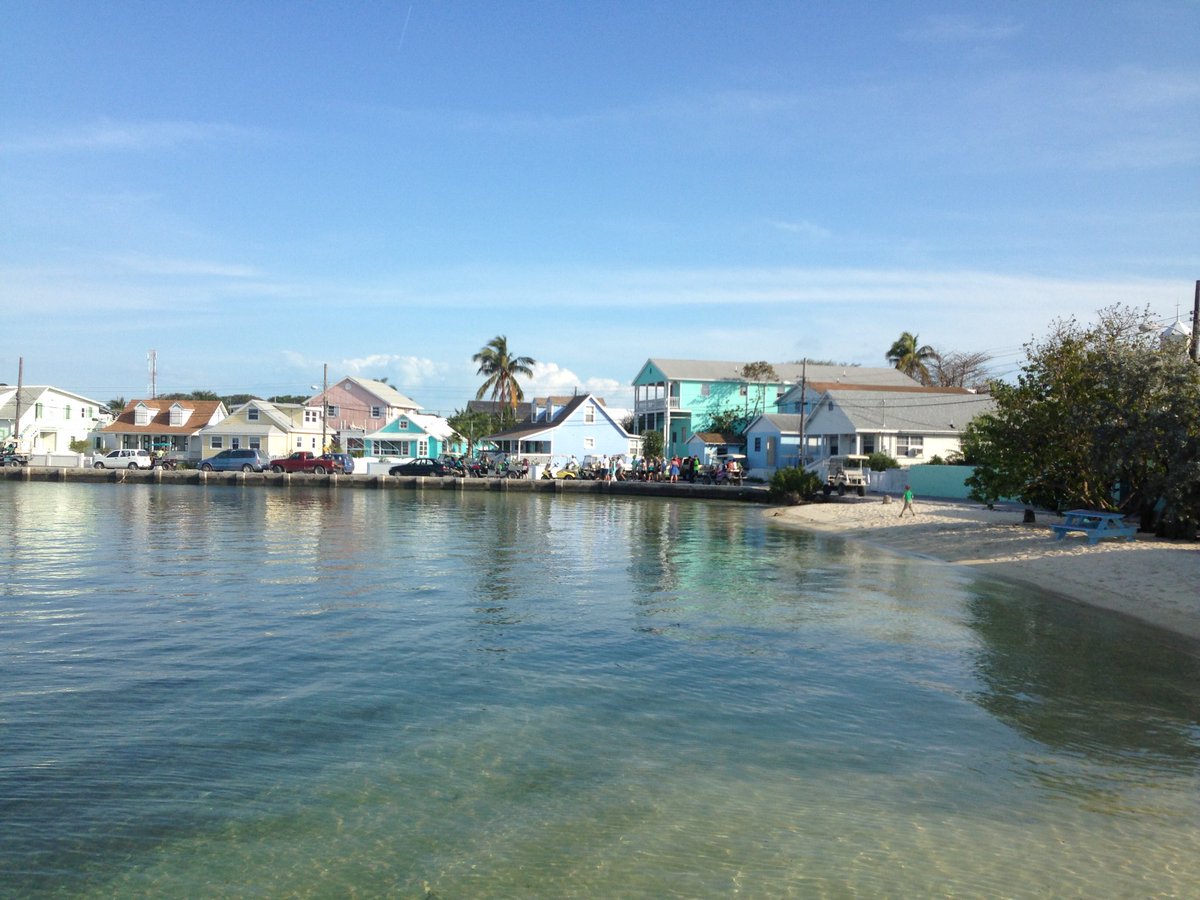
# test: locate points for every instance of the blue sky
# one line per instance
(254, 190)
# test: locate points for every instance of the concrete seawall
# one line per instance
(746, 494)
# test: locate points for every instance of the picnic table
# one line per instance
(1094, 524)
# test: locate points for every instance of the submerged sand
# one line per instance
(1150, 579)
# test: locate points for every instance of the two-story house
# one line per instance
(276, 429)
(678, 397)
(559, 428)
(45, 419)
(356, 407)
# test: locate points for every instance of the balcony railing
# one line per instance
(657, 404)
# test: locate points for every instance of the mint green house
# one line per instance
(678, 397)
(411, 435)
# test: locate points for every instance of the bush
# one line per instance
(793, 485)
(881, 462)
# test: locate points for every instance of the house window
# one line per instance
(67, 411)
(742, 391)
(141, 415)
(757, 445)
(255, 443)
(589, 414)
(216, 442)
(38, 409)
(833, 445)
(910, 445)
(176, 415)
(404, 424)
(311, 415)
(705, 389)
(422, 448)
(868, 444)
(376, 412)
(589, 443)
(252, 414)
(299, 442)
(235, 443)
(331, 411)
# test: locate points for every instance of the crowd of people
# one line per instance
(621, 468)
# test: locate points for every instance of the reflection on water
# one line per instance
(319, 692)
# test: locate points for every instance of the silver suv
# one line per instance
(123, 459)
(236, 461)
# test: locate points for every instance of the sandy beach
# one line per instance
(1153, 580)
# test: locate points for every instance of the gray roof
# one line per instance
(789, 372)
(924, 412)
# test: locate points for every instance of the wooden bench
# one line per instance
(1094, 524)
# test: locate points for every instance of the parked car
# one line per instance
(123, 459)
(346, 460)
(236, 460)
(423, 465)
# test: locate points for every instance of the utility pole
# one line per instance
(20, 384)
(803, 413)
(324, 405)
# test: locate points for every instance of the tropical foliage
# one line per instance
(911, 357)
(759, 371)
(500, 368)
(791, 485)
(471, 425)
(1101, 417)
(652, 444)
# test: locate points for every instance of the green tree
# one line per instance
(728, 421)
(1100, 417)
(472, 425)
(116, 405)
(652, 444)
(909, 356)
(501, 368)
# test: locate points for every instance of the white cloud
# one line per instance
(952, 28)
(108, 135)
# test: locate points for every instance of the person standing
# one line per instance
(908, 498)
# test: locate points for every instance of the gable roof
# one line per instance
(789, 372)
(531, 427)
(926, 411)
(160, 420)
(494, 408)
(33, 393)
(383, 391)
(784, 423)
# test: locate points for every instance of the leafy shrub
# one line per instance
(793, 485)
(881, 462)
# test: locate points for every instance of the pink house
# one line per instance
(358, 406)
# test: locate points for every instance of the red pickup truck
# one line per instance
(304, 461)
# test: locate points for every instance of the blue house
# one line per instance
(413, 434)
(582, 426)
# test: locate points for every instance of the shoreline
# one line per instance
(1152, 581)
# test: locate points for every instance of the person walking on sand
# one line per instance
(907, 502)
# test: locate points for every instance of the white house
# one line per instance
(49, 417)
(911, 424)
(581, 427)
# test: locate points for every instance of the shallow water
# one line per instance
(269, 692)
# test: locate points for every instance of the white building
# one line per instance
(50, 418)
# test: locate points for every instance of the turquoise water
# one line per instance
(230, 691)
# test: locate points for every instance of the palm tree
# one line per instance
(502, 369)
(910, 357)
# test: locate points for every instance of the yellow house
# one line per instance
(276, 429)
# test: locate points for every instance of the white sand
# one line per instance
(1150, 579)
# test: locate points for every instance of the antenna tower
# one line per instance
(152, 358)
